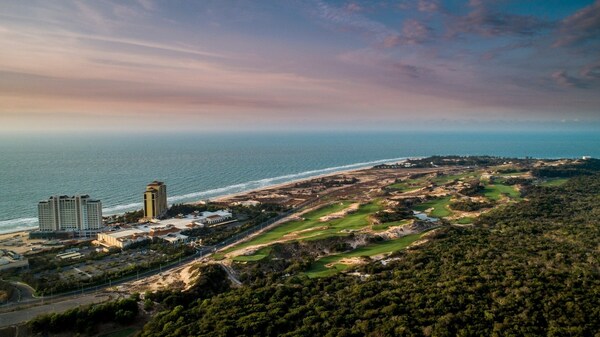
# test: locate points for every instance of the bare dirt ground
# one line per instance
(350, 261)
(182, 277)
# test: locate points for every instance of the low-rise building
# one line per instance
(169, 229)
(210, 218)
(122, 238)
(175, 238)
(11, 260)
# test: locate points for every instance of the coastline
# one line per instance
(291, 182)
(224, 197)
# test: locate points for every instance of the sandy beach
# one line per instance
(19, 241)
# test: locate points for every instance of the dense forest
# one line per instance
(532, 268)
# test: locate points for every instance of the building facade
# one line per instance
(155, 200)
(77, 213)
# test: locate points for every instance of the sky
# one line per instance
(151, 65)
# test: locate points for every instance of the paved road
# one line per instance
(231, 275)
(21, 316)
(29, 306)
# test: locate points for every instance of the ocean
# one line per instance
(116, 168)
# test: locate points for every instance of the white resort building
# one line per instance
(78, 213)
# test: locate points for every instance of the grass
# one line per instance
(384, 226)
(343, 226)
(319, 269)
(440, 207)
(311, 228)
(257, 256)
(409, 185)
(496, 191)
(127, 332)
(443, 179)
(218, 256)
(515, 174)
(465, 221)
(311, 220)
(554, 182)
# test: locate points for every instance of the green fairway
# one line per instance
(410, 184)
(465, 221)
(218, 256)
(312, 228)
(319, 269)
(496, 191)
(443, 179)
(385, 226)
(257, 256)
(440, 207)
(554, 182)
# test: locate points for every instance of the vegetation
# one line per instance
(86, 319)
(44, 270)
(386, 225)
(463, 161)
(586, 167)
(472, 188)
(127, 332)
(448, 178)
(528, 269)
(129, 217)
(408, 185)
(258, 255)
(310, 220)
(212, 280)
(439, 207)
(554, 182)
(398, 213)
(465, 220)
(327, 182)
(320, 267)
(470, 205)
(6, 291)
(497, 191)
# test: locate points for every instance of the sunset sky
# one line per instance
(213, 65)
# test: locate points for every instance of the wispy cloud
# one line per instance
(562, 78)
(352, 21)
(581, 27)
(484, 21)
(428, 5)
(328, 60)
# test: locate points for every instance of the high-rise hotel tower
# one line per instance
(155, 200)
(77, 213)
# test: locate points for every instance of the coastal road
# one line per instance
(21, 316)
(30, 307)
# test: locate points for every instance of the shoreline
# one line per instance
(285, 184)
(221, 198)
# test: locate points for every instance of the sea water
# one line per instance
(116, 168)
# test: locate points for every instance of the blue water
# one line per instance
(116, 169)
